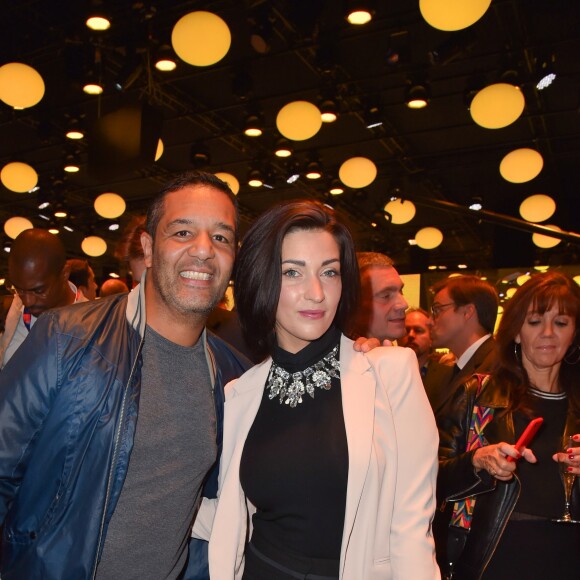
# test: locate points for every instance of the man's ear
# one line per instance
(469, 310)
(147, 245)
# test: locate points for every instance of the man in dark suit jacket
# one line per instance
(464, 311)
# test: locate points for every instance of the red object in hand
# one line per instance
(527, 436)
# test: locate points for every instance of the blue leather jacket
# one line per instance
(69, 400)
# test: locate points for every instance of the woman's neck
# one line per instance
(546, 380)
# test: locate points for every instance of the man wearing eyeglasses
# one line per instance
(39, 276)
(463, 316)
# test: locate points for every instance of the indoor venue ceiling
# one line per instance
(289, 50)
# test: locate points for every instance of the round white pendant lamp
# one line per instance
(537, 208)
(21, 86)
(429, 238)
(16, 225)
(357, 172)
(201, 38)
(521, 165)
(231, 180)
(543, 241)
(110, 205)
(18, 177)
(497, 106)
(452, 14)
(299, 120)
(402, 211)
(94, 246)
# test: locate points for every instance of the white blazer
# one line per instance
(392, 451)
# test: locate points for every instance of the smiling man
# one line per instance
(39, 275)
(109, 431)
(381, 313)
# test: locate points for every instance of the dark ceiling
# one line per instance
(437, 154)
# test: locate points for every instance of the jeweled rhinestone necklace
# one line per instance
(289, 387)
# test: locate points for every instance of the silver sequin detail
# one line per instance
(289, 388)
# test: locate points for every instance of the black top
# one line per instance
(294, 467)
(542, 492)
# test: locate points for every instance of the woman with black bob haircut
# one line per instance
(329, 458)
(502, 518)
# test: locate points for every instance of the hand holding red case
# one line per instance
(527, 436)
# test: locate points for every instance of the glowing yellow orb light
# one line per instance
(20, 85)
(402, 211)
(201, 38)
(357, 172)
(15, 225)
(522, 279)
(159, 151)
(110, 205)
(230, 180)
(299, 120)
(429, 238)
(452, 14)
(537, 208)
(577, 279)
(19, 177)
(94, 246)
(521, 165)
(497, 106)
(543, 241)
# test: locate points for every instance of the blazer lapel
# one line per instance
(358, 401)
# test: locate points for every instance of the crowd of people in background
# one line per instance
(285, 449)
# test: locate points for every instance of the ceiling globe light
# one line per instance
(159, 151)
(452, 14)
(537, 208)
(401, 211)
(543, 241)
(429, 238)
(521, 165)
(19, 177)
(299, 120)
(16, 225)
(357, 172)
(21, 86)
(110, 205)
(497, 106)
(94, 246)
(231, 180)
(201, 38)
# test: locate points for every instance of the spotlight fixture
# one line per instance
(253, 125)
(313, 170)
(292, 172)
(43, 201)
(53, 228)
(255, 178)
(165, 60)
(98, 19)
(68, 225)
(260, 28)
(283, 148)
(74, 130)
(359, 12)
(328, 111)
(417, 95)
(93, 85)
(453, 48)
(7, 246)
(59, 210)
(545, 72)
(476, 204)
(372, 117)
(199, 155)
(114, 226)
(72, 163)
(336, 187)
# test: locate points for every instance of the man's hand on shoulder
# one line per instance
(363, 344)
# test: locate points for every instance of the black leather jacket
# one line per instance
(457, 478)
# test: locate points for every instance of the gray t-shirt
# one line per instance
(175, 446)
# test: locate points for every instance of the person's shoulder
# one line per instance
(221, 349)
(391, 354)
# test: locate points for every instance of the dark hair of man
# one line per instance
(472, 290)
(188, 179)
(79, 272)
(129, 245)
(38, 245)
(258, 269)
(541, 292)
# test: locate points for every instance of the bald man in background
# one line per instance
(112, 286)
(38, 273)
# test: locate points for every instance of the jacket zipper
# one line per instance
(114, 461)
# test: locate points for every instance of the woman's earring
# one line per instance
(517, 353)
(572, 357)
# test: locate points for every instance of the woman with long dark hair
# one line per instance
(329, 455)
(498, 515)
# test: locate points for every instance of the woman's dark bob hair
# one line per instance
(258, 271)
